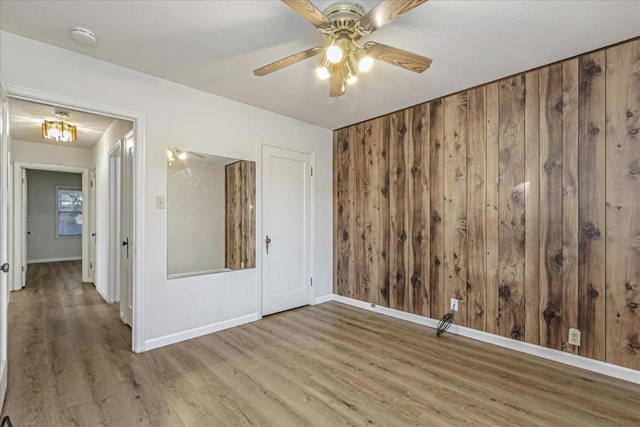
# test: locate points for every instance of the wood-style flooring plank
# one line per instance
(329, 364)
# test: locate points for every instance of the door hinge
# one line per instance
(23, 180)
(91, 265)
(311, 170)
(311, 281)
(91, 184)
(23, 268)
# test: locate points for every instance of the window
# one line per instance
(68, 212)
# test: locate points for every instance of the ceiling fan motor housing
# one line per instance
(343, 17)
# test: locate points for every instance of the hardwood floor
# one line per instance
(327, 365)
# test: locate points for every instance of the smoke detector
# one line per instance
(83, 36)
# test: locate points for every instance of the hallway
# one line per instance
(67, 347)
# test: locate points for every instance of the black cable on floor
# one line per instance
(444, 324)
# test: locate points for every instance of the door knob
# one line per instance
(5, 267)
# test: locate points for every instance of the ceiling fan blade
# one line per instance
(289, 60)
(386, 12)
(309, 12)
(338, 87)
(398, 57)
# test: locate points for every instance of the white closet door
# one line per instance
(286, 240)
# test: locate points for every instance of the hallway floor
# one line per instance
(328, 365)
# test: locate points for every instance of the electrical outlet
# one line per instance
(574, 336)
(454, 304)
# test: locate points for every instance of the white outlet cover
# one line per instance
(159, 202)
(574, 336)
(454, 304)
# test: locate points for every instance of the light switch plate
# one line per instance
(159, 202)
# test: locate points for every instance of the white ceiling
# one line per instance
(25, 123)
(215, 45)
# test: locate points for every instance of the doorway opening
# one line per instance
(102, 253)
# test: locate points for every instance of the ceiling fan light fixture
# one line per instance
(322, 72)
(350, 75)
(334, 54)
(365, 63)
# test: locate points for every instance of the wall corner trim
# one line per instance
(597, 366)
(198, 332)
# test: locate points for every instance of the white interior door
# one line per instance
(92, 225)
(24, 230)
(4, 239)
(126, 231)
(286, 243)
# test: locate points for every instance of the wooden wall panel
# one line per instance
(591, 205)
(511, 190)
(371, 212)
(384, 238)
(493, 182)
(531, 207)
(399, 204)
(551, 206)
(623, 204)
(358, 261)
(418, 146)
(476, 208)
(341, 221)
(240, 216)
(521, 198)
(455, 203)
(436, 205)
(569, 201)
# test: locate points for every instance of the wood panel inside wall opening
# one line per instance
(240, 196)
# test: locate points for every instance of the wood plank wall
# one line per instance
(520, 198)
(240, 215)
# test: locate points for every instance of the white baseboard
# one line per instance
(69, 258)
(323, 298)
(198, 332)
(535, 350)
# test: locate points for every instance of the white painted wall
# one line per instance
(196, 121)
(196, 215)
(42, 243)
(100, 161)
(34, 152)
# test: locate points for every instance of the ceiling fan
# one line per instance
(342, 24)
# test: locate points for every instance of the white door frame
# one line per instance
(5, 279)
(114, 222)
(138, 119)
(260, 224)
(19, 216)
